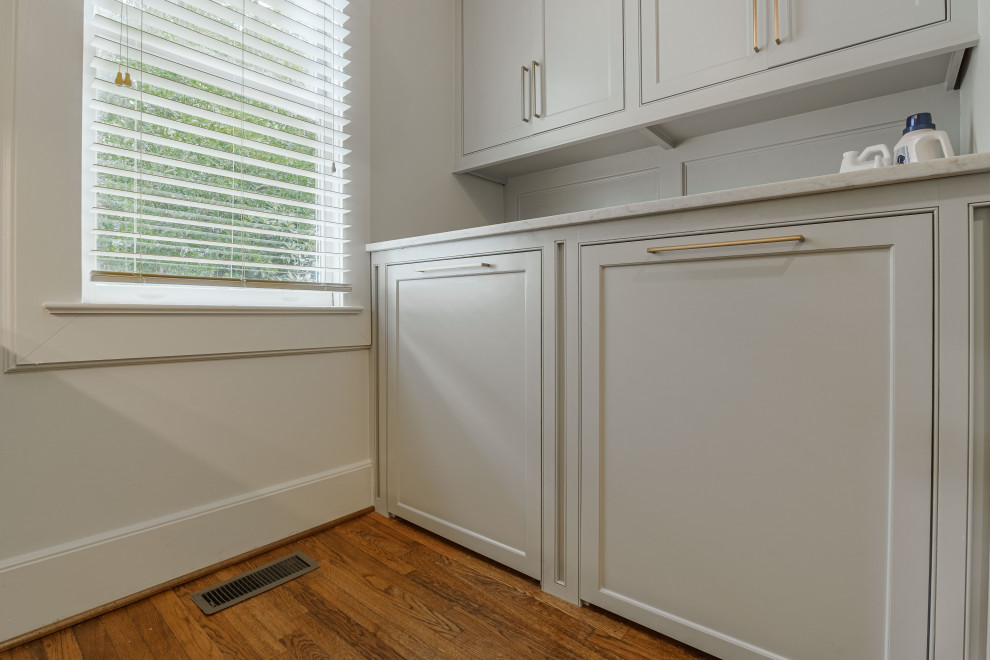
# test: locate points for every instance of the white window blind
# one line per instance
(217, 141)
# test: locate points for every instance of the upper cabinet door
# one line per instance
(811, 27)
(579, 71)
(496, 45)
(689, 45)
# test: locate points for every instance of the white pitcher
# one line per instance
(872, 157)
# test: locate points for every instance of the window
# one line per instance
(217, 169)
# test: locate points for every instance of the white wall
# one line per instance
(115, 479)
(413, 115)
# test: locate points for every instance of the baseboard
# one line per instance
(97, 573)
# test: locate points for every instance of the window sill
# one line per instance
(104, 309)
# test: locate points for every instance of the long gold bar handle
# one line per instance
(776, 21)
(538, 86)
(756, 47)
(749, 241)
(453, 267)
(523, 93)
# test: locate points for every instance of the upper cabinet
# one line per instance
(593, 75)
(530, 66)
(687, 46)
(806, 28)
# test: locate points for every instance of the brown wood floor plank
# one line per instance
(326, 614)
(393, 591)
(459, 554)
(327, 639)
(31, 651)
(93, 639)
(191, 635)
(354, 578)
(410, 639)
(384, 590)
(378, 541)
(228, 635)
(125, 636)
(154, 631)
(62, 645)
(500, 605)
(302, 646)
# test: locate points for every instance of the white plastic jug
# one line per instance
(872, 157)
(921, 141)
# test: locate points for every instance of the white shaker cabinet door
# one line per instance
(810, 27)
(463, 412)
(689, 45)
(496, 76)
(579, 73)
(757, 438)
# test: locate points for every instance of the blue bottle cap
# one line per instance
(919, 121)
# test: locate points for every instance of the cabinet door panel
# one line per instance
(756, 429)
(689, 45)
(496, 44)
(464, 403)
(811, 27)
(581, 70)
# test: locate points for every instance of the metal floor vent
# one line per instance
(259, 580)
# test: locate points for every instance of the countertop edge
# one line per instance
(933, 169)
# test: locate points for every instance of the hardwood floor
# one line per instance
(384, 589)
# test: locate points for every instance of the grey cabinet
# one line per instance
(687, 46)
(756, 432)
(530, 66)
(463, 413)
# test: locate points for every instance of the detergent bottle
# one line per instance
(921, 141)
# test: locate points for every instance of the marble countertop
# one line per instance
(932, 169)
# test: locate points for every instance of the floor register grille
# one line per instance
(259, 580)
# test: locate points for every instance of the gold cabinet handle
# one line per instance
(756, 47)
(538, 86)
(749, 241)
(776, 21)
(453, 267)
(523, 93)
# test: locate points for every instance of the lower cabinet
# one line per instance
(756, 437)
(463, 414)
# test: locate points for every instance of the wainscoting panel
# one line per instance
(642, 186)
(821, 154)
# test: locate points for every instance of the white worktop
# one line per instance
(933, 169)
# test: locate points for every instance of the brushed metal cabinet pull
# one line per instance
(538, 86)
(749, 241)
(523, 93)
(453, 267)
(756, 46)
(776, 21)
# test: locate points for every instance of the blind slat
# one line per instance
(184, 186)
(205, 244)
(148, 278)
(231, 64)
(315, 188)
(230, 86)
(113, 192)
(329, 152)
(214, 262)
(106, 70)
(146, 139)
(149, 218)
